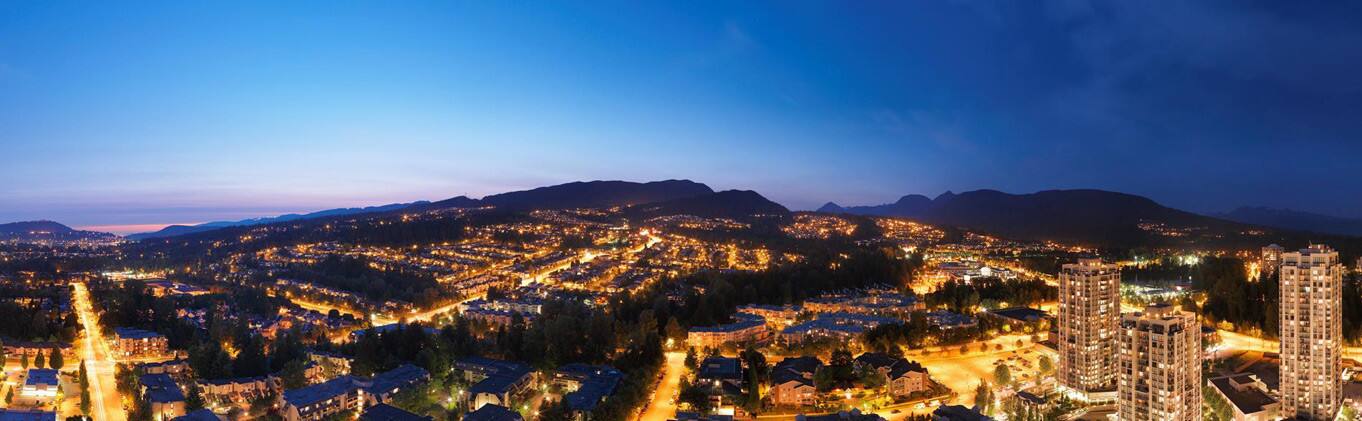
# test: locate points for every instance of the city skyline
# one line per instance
(177, 113)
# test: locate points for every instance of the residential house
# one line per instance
(792, 381)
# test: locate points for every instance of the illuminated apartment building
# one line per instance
(1271, 259)
(1159, 365)
(1312, 331)
(1089, 311)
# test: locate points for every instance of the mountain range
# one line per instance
(667, 196)
(1082, 216)
(1093, 217)
(175, 230)
(46, 231)
(1294, 220)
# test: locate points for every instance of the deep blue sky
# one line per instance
(154, 113)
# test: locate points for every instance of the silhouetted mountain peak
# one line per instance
(735, 204)
(597, 194)
(830, 207)
(45, 230)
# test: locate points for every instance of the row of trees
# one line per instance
(53, 360)
(991, 292)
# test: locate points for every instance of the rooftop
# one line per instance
(41, 376)
(200, 415)
(134, 333)
(385, 412)
(492, 412)
(321, 391)
(26, 415)
(1241, 393)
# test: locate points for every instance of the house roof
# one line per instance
(492, 412)
(597, 382)
(321, 391)
(721, 368)
(161, 388)
(199, 415)
(385, 412)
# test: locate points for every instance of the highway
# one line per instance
(106, 405)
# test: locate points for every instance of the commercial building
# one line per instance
(1311, 321)
(1247, 396)
(40, 385)
(1089, 311)
(1159, 371)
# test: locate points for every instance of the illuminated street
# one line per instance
(663, 404)
(106, 404)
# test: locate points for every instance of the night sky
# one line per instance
(181, 112)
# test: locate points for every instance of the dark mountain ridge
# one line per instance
(581, 194)
(1084, 216)
(733, 204)
(597, 194)
(1294, 220)
(44, 230)
(176, 230)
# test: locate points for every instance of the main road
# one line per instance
(99, 363)
(662, 406)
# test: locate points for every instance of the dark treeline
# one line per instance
(793, 283)
(1253, 305)
(35, 314)
(34, 323)
(915, 333)
(1232, 297)
(964, 297)
(355, 275)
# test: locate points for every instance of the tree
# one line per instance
(39, 361)
(193, 401)
(56, 362)
(693, 395)
(23, 361)
(983, 397)
(85, 400)
(1045, 364)
(674, 331)
(1002, 375)
(83, 376)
